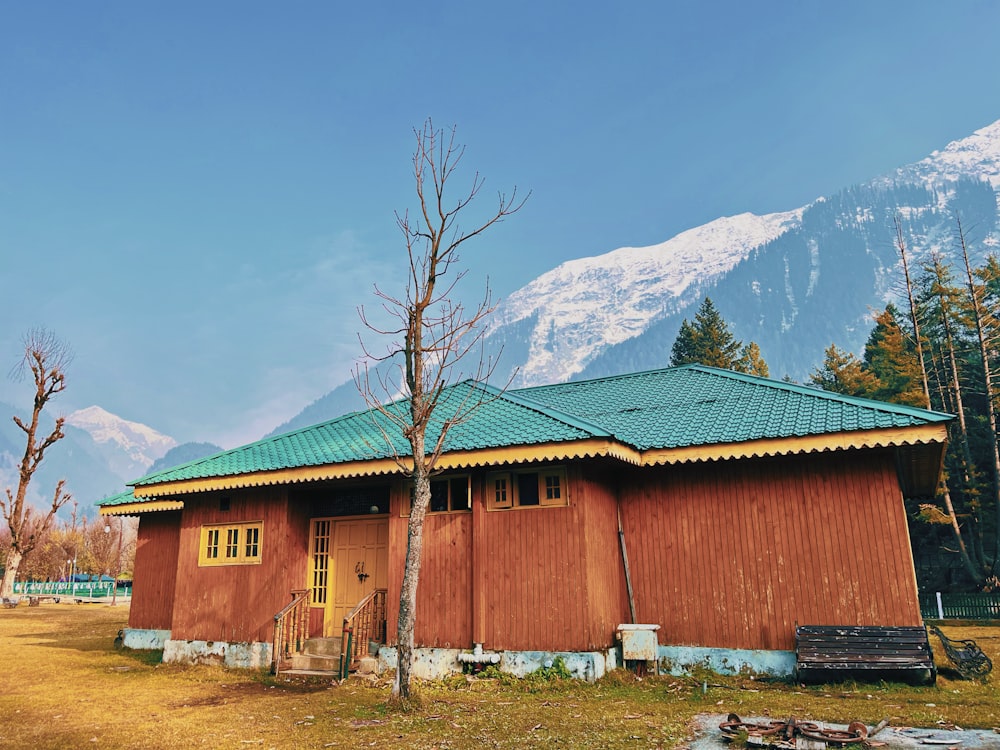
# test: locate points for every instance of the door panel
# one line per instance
(359, 562)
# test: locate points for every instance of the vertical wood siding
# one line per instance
(444, 595)
(734, 554)
(155, 571)
(550, 578)
(534, 578)
(237, 603)
(607, 595)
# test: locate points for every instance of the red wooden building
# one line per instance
(722, 507)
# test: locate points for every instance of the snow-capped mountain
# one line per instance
(582, 306)
(130, 447)
(794, 281)
(979, 154)
(98, 455)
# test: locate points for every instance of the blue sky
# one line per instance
(197, 196)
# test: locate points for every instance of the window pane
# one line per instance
(527, 489)
(232, 543)
(500, 491)
(553, 490)
(212, 546)
(321, 561)
(252, 541)
(460, 493)
(439, 496)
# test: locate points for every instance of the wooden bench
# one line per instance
(10, 603)
(826, 653)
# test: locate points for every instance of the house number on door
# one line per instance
(359, 568)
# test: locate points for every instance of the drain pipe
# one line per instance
(628, 575)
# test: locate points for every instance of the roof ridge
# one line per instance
(562, 416)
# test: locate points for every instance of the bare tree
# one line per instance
(46, 358)
(950, 515)
(432, 336)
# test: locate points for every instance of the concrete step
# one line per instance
(315, 662)
(322, 646)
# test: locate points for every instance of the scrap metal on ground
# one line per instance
(785, 734)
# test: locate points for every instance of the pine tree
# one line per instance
(751, 362)
(842, 372)
(891, 357)
(709, 341)
(684, 350)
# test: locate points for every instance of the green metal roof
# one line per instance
(502, 420)
(698, 405)
(122, 498)
(676, 407)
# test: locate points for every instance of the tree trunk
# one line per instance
(10, 572)
(408, 590)
(963, 551)
(979, 318)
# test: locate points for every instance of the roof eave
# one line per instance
(518, 454)
(880, 438)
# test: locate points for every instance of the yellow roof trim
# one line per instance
(455, 460)
(932, 433)
(130, 509)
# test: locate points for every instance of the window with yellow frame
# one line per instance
(526, 489)
(230, 544)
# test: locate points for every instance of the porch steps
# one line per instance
(319, 655)
(321, 658)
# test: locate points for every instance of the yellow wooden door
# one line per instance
(360, 558)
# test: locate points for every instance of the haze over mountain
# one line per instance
(794, 281)
(98, 455)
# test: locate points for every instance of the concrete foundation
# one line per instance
(144, 640)
(436, 663)
(682, 659)
(236, 655)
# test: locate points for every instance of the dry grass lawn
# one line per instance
(64, 686)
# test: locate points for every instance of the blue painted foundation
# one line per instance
(681, 659)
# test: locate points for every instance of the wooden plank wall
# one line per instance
(734, 554)
(444, 594)
(155, 572)
(607, 595)
(237, 603)
(550, 578)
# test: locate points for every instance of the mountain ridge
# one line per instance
(793, 281)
